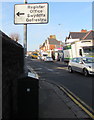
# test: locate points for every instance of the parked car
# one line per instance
(34, 55)
(84, 65)
(39, 58)
(48, 59)
(44, 56)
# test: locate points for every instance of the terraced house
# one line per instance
(51, 43)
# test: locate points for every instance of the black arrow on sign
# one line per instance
(20, 13)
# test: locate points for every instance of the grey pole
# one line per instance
(25, 44)
(25, 35)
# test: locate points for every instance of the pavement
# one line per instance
(54, 103)
(50, 103)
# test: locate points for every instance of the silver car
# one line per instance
(48, 59)
(84, 65)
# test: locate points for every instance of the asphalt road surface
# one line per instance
(57, 72)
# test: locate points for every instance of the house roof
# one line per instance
(82, 35)
(89, 35)
(53, 41)
(77, 35)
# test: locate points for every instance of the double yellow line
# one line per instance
(78, 102)
(88, 110)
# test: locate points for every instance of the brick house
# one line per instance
(51, 43)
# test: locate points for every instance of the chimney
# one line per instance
(83, 30)
(52, 36)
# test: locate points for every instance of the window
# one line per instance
(80, 52)
(89, 49)
(88, 60)
(67, 47)
(74, 60)
(78, 60)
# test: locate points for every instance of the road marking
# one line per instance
(63, 68)
(79, 104)
(37, 69)
(50, 69)
(79, 99)
(75, 100)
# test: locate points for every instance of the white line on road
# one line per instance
(50, 69)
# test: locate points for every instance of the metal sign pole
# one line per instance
(25, 35)
(25, 44)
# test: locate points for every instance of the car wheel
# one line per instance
(85, 72)
(70, 69)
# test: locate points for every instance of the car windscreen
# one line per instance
(45, 55)
(35, 54)
(88, 60)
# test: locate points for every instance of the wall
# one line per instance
(0, 76)
(12, 68)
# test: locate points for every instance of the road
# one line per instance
(57, 72)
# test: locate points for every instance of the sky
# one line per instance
(64, 17)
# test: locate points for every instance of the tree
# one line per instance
(15, 36)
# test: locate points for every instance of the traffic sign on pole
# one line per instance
(36, 13)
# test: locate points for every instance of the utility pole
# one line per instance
(25, 35)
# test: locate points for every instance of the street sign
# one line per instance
(36, 13)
